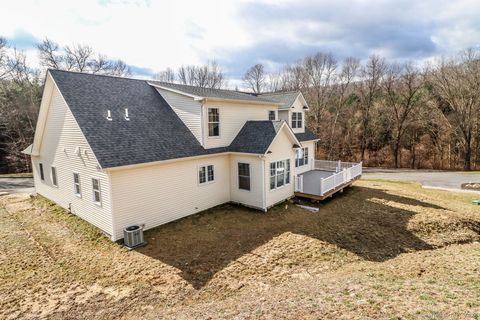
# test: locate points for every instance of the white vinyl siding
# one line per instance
(281, 150)
(255, 196)
(232, 118)
(61, 137)
(298, 126)
(157, 194)
(187, 109)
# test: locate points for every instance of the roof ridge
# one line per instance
(280, 92)
(219, 89)
(97, 74)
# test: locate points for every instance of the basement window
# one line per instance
(206, 174)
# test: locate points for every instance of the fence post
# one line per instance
(339, 165)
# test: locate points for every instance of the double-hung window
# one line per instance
(244, 176)
(297, 118)
(279, 173)
(76, 184)
(54, 177)
(301, 157)
(42, 176)
(213, 122)
(97, 196)
(206, 174)
(271, 115)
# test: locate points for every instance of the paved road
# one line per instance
(16, 185)
(428, 178)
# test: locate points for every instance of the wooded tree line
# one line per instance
(376, 111)
(387, 114)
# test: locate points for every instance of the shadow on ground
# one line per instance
(204, 244)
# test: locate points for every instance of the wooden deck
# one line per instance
(329, 193)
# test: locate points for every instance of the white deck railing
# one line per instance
(344, 173)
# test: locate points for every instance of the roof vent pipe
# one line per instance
(126, 114)
(109, 115)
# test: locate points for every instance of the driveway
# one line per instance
(428, 178)
(16, 185)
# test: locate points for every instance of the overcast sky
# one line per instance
(152, 35)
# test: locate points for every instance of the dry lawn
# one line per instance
(380, 250)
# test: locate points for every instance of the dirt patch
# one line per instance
(379, 250)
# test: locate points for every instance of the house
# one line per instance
(118, 151)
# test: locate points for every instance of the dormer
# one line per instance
(292, 108)
(215, 116)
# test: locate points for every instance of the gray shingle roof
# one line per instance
(153, 133)
(255, 136)
(214, 93)
(285, 98)
(307, 136)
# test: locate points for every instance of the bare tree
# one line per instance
(255, 78)
(209, 75)
(369, 90)
(342, 95)
(455, 82)
(403, 93)
(167, 75)
(319, 72)
(81, 58)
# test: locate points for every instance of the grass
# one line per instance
(382, 249)
(17, 175)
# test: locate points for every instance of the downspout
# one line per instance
(202, 124)
(264, 188)
(112, 211)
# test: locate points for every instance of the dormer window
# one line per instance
(297, 118)
(271, 115)
(213, 122)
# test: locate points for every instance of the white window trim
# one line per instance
(296, 121)
(53, 168)
(274, 112)
(208, 122)
(250, 176)
(269, 176)
(206, 174)
(303, 157)
(79, 195)
(98, 203)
